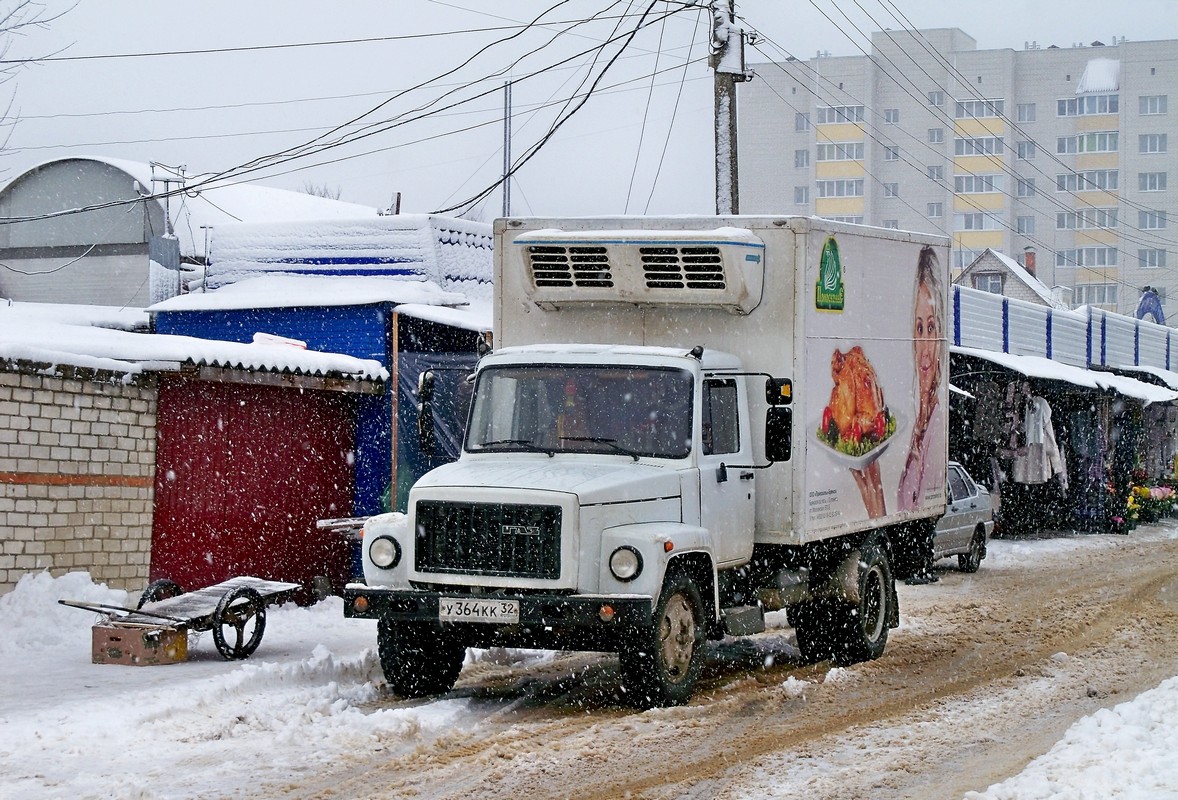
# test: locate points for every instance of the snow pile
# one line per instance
(1125, 752)
(206, 727)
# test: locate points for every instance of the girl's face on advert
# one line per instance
(926, 330)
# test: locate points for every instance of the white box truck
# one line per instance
(686, 422)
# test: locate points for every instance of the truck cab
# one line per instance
(588, 475)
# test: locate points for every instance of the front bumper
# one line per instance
(545, 621)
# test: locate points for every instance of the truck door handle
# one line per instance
(746, 476)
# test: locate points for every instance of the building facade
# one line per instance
(1056, 156)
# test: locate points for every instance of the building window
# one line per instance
(936, 173)
(1026, 187)
(1153, 104)
(978, 146)
(843, 187)
(1096, 294)
(801, 195)
(977, 109)
(891, 116)
(1086, 257)
(891, 190)
(1087, 219)
(801, 122)
(988, 282)
(854, 220)
(977, 184)
(1151, 143)
(1150, 259)
(935, 210)
(936, 98)
(891, 223)
(1088, 180)
(840, 151)
(1025, 112)
(891, 152)
(1088, 104)
(963, 258)
(1025, 225)
(936, 135)
(976, 221)
(828, 115)
(1151, 181)
(1026, 150)
(801, 158)
(1151, 220)
(1096, 142)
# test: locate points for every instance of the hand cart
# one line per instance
(234, 610)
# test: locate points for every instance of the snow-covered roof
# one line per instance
(1038, 367)
(222, 203)
(453, 253)
(302, 291)
(1100, 75)
(475, 317)
(123, 319)
(43, 339)
(1019, 271)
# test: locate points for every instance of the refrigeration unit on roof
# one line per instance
(719, 268)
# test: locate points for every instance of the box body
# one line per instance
(139, 646)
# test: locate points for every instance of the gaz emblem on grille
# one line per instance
(520, 530)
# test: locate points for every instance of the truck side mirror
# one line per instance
(779, 433)
(425, 413)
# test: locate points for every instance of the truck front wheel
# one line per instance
(418, 660)
(660, 667)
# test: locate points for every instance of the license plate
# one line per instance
(464, 609)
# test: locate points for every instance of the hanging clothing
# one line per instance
(1039, 459)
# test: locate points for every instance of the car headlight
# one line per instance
(625, 563)
(384, 552)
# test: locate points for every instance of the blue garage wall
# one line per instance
(360, 331)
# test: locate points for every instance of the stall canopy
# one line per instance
(1046, 369)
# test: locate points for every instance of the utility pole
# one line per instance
(507, 149)
(727, 61)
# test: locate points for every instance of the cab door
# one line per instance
(727, 493)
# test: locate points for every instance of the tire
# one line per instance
(849, 634)
(418, 660)
(813, 624)
(244, 611)
(661, 667)
(971, 561)
(162, 589)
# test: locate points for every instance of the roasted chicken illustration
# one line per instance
(856, 402)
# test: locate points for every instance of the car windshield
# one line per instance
(566, 408)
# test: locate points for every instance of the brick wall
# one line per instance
(77, 471)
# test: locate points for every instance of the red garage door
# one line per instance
(242, 475)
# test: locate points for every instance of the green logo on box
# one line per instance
(829, 292)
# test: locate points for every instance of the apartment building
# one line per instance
(1056, 156)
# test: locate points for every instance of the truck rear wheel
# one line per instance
(418, 660)
(661, 667)
(850, 633)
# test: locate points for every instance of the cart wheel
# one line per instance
(241, 613)
(159, 590)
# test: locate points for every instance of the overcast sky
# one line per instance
(633, 147)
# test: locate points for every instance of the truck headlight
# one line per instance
(384, 552)
(625, 563)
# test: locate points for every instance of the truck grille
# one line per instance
(521, 541)
(683, 267)
(585, 266)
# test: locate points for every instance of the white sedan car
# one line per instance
(968, 522)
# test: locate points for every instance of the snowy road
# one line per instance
(985, 673)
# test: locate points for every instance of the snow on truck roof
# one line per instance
(712, 359)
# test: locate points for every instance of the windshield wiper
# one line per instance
(526, 444)
(613, 443)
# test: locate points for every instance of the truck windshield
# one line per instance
(634, 411)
